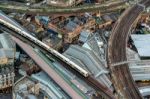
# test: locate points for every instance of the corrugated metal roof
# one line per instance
(46, 80)
(6, 41)
(142, 43)
(87, 56)
(92, 44)
(77, 61)
(91, 62)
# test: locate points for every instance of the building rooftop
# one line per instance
(74, 80)
(54, 90)
(91, 62)
(142, 44)
(54, 41)
(71, 26)
(84, 35)
(132, 55)
(97, 45)
(140, 70)
(7, 49)
(6, 41)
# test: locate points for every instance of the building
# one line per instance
(145, 91)
(106, 20)
(28, 67)
(38, 86)
(25, 88)
(44, 20)
(7, 55)
(54, 42)
(84, 35)
(49, 87)
(98, 45)
(141, 43)
(71, 31)
(76, 83)
(139, 69)
(90, 62)
(7, 49)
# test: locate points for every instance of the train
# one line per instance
(23, 33)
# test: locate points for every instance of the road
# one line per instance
(105, 92)
(53, 10)
(123, 81)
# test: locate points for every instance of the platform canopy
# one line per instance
(142, 43)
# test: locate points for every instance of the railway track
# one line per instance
(52, 10)
(14, 29)
(121, 75)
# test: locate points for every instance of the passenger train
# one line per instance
(23, 33)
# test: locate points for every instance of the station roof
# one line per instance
(7, 46)
(87, 57)
(142, 43)
(89, 61)
(6, 41)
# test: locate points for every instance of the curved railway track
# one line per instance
(121, 75)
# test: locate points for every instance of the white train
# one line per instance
(43, 45)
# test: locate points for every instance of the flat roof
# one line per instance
(142, 43)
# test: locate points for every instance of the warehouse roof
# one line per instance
(142, 43)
